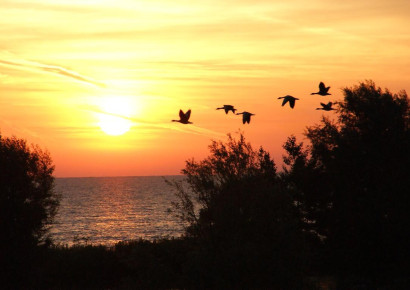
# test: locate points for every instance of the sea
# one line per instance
(107, 210)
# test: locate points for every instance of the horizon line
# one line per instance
(111, 176)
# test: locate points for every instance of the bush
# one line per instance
(243, 218)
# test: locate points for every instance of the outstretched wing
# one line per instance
(322, 87)
(181, 115)
(243, 118)
(248, 117)
(187, 115)
(292, 102)
(323, 105)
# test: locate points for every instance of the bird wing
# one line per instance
(292, 102)
(188, 114)
(248, 117)
(322, 86)
(329, 104)
(323, 105)
(243, 118)
(181, 114)
(285, 100)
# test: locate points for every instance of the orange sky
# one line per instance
(70, 67)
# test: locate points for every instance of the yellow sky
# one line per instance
(63, 62)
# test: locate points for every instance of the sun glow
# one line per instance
(114, 117)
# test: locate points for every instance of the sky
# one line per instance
(97, 82)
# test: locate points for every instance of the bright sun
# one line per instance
(114, 119)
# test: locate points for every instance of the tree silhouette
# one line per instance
(28, 204)
(353, 182)
(242, 217)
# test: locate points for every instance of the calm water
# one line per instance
(111, 209)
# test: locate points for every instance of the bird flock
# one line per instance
(246, 116)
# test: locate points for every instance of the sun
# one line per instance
(113, 125)
(114, 117)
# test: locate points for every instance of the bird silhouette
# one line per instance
(323, 90)
(289, 99)
(246, 117)
(227, 108)
(326, 107)
(184, 117)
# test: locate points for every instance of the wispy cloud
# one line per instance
(18, 130)
(75, 130)
(190, 129)
(53, 69)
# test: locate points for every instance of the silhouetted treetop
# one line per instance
(352, 181)
(28, 202)
(230, 161)
(242, 216)
(366, 108)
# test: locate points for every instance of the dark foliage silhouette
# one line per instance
(138, 264)
(28, 204)
(243, 219)
(352, 186)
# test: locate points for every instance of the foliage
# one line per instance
(28, 202)
(76, 267)
(138, 264)
(242, 217)
(352, 184)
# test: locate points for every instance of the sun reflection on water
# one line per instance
(113, 209)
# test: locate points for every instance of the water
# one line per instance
(111, 209)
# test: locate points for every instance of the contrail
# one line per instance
(56, 70)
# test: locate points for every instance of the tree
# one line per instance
(352, 184)
(28, 202)
(243, 218)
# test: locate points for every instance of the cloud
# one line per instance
(56, 70)
(75, 130)
(17, 130)
(190, 129)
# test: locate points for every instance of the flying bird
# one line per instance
(227, 108)
(323, 90)
(246, 117)
(289, 99)
(184, 117)
(326, 107)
